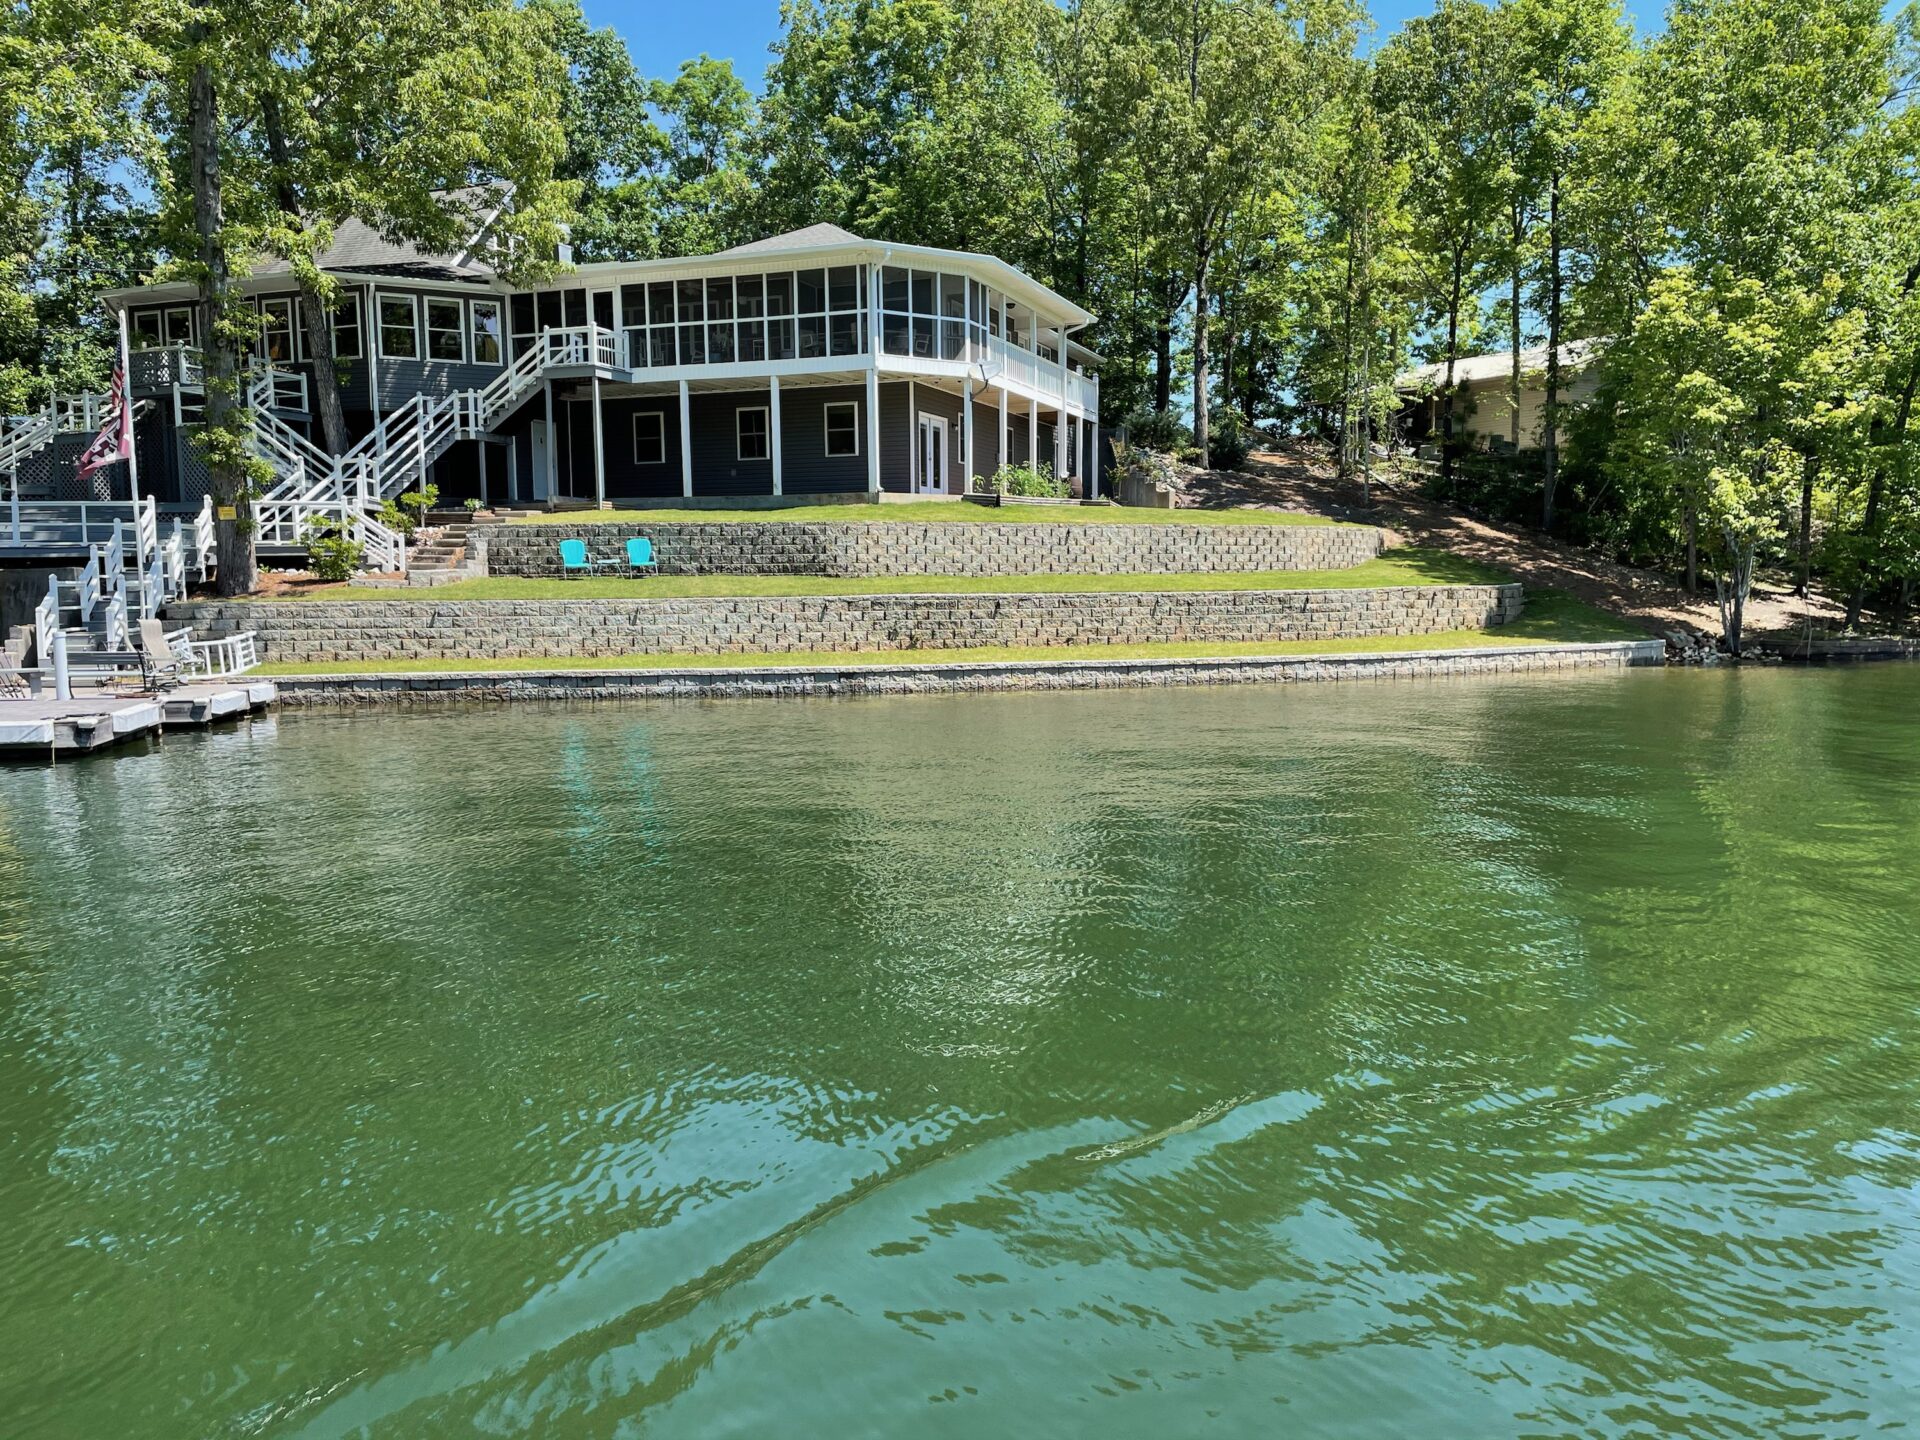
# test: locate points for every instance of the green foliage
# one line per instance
(1230, 442)
(1159, 430)
(1037, 483)
(331, 554)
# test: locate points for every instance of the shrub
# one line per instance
(331, 554)
(1157, 430)
(1229, 439)
(1189, 455)
(472, 504)
(395, 519)
(1033, 484)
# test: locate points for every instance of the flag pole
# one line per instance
(133, 446)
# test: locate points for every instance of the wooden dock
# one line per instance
(47, 728)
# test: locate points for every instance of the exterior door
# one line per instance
(541, 490)
(603, 309)
(931, 476)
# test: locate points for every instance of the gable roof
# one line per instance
(360, 248)
(1478, 369)
(804, 238)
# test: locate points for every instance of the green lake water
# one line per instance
(1466, 1058)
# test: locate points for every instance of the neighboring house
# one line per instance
(1483, 397)
(811, 363)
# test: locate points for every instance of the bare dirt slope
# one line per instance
(1294, 480)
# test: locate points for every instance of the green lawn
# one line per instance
(1551, 618)
(1406, 566)
(933, 510)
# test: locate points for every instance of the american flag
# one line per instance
(115, 440)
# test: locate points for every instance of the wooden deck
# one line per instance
(42, 729)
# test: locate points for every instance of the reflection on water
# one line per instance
(1467, 1058)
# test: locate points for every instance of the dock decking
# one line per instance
(93, 720)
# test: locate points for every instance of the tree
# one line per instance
(1439, 75)
(439, 123)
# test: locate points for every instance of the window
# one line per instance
(399, 328)
(649, 437)
(750, 432)
(843, 427)
(179, 329)
(486, 332)
(720, 321)
(347, 342)
(925, 313)
(444, 338)
(146, 330)
(276, 330)
(520, 316)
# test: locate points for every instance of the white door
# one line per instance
(931, 476)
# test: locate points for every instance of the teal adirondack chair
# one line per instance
(574, 559)
(640, 554)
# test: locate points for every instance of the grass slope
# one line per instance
(1551, 618)
(948, 510)
(1397, 567)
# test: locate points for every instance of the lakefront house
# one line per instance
(813, 363)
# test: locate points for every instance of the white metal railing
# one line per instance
(217, 659)
(204, 542)
(46, 623)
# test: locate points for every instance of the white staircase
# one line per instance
(129, 576)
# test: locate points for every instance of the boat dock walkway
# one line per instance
(45, 727)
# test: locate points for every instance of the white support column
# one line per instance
(966, 435)
(484, 448)
(873, 430)
(1006, 428)
(773, 427)
(599, 449)
(1033, 432)
(553, 449)
(1093, 458)
(370, 342)
(1060, 415)
(686, 443)
(913, 438)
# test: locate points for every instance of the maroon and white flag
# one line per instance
(115, 440)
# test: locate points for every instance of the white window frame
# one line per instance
(638, 457)
(275, 304)
(359, 327)
(766, 431)
(380, 324)
(166, 324)
(474, 307)
(458, 329)
(826, 437)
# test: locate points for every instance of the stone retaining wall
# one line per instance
(316, 630)
(947, 547)
(938, 679)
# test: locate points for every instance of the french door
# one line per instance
(930, 475)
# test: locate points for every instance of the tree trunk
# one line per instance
(316, 309)
(1200, 326)
(1877, 485)
(1693, 549)
(1513, 301)
(1453, 356)
(226, 419)
(1163, 365)
(1809, 468)
(1550, 439)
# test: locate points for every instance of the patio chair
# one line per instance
(574, 559)
(640, 554)
(164, 659)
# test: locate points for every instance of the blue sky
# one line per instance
(661, 36)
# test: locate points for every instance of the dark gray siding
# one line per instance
(717, 467)
(805, 466)
(895, 437)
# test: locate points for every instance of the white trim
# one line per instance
(428, 330)
(873, 431)
(380, 298)
(773, 427)
(826, 429)
(935, 484)
(342, 300)
(638, 458)
(473, 308)
(292, 303)
(740, 411)
(686, 444)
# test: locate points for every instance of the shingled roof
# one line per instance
(362, 250)
(805, 238)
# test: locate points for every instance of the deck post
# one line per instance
(62, 682)
(873, 428)
(1006, 427)
(599, 448)
(686, 443)
(1033, 432)
(484, 447)
(913, 437)
(773, 427)
(966, 436)
(1093, 460)
(1060, 416)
